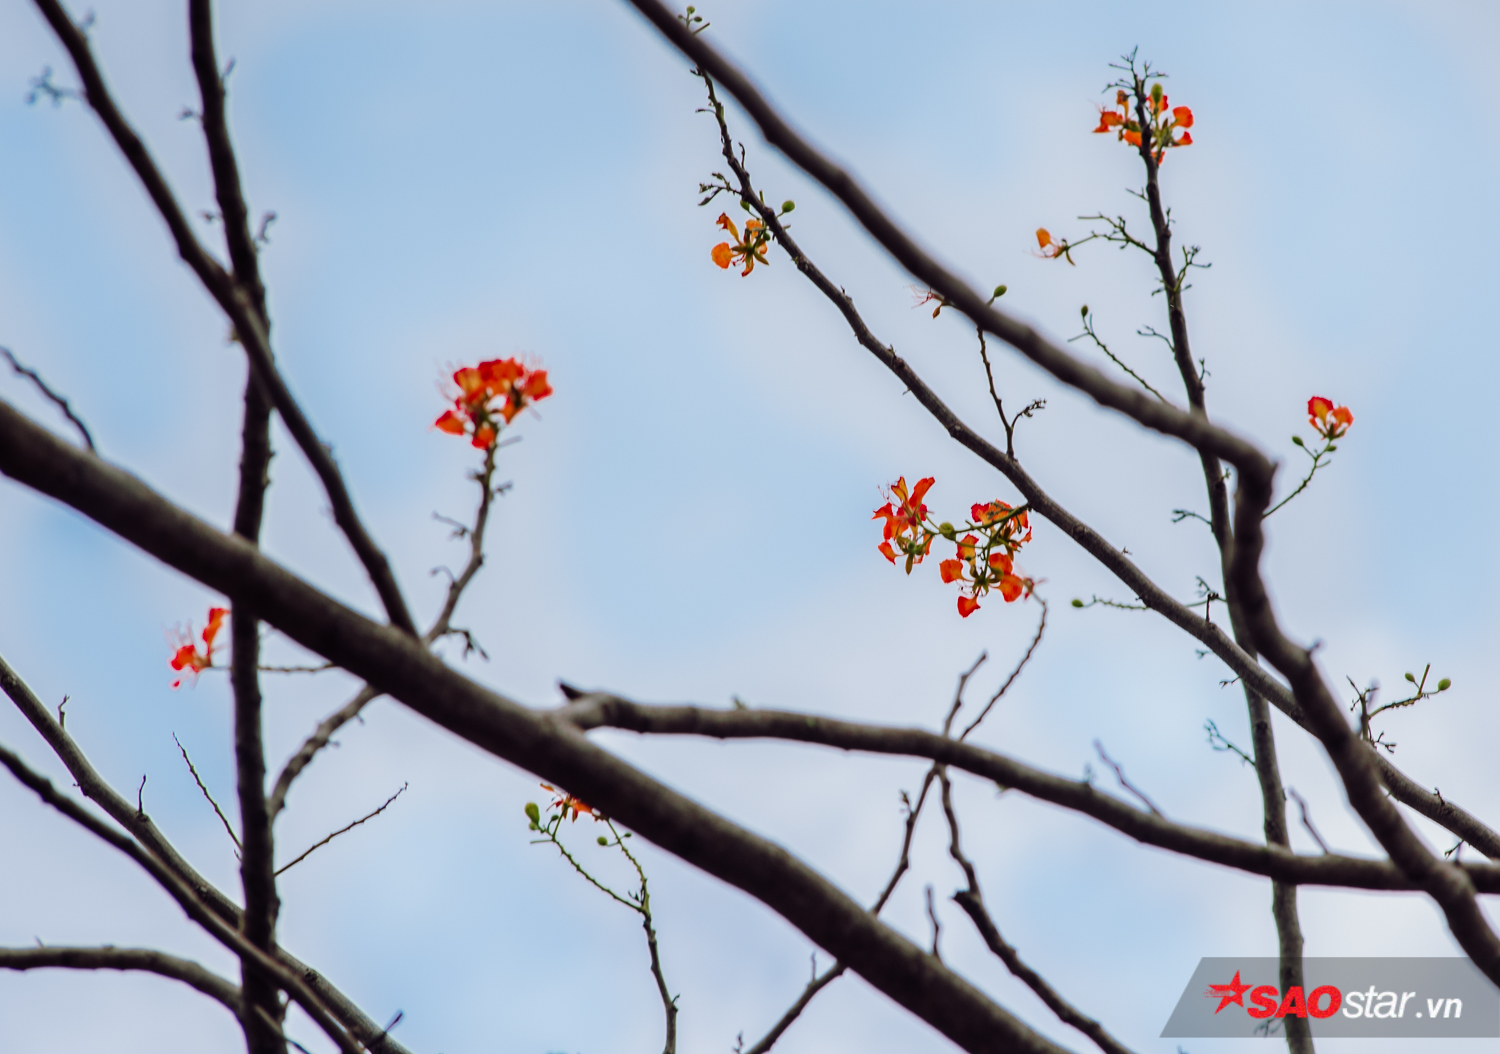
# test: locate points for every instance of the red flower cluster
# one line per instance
(905, 520)
(1162, 122)
(186, 655)
(566, 802)
(984, 561)
(990, 564)
(1330, 421)
(749, 250)
(490, 396)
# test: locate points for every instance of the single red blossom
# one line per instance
(1051, 248)
(1182, 116)
(186, 656)
(1330, 421)
(566, 802)
(749, 250)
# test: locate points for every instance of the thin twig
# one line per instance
(218, 811)
(349, 827)
(1031, 650)
(1120, 775)
(57, 400)
(972, 901)
(1307, 820)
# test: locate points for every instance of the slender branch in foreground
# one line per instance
(242, 310)
(349, 827)
(553, 749)
(314, 743)
(972, 901)
(146, 833)
(57, 400)
(146, 960)
(230, 938)
(1450, 888)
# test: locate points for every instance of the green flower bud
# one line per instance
(1410, 678)
(1156, 93)
(788, 205)
(946, 530)
(1444, 685)
(1298, 441)
(691, 9)
(532, 812)
(1083, 312)
(603, 840)
(1331, 448)
(744, 205)
(999, 292)
(1077, 603)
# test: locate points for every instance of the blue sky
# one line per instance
(690, 515)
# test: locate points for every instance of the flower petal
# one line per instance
(967, 606)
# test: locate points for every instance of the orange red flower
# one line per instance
(186, 656)
(1051, 248)
(567, 803)
(1162, 122)
(905, 522)
(1330, 421)
(984, 557)
(490, 395)
(749, 250)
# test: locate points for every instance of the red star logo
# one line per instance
(1233, 992)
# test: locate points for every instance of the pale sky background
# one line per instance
(690, 516)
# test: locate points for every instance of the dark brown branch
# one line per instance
(398, 665)
(342, 830)
(96, 789)
(56, 400)
(972, 901)
(600, 710)
(146, 960)
(179, 891)
(243, 312)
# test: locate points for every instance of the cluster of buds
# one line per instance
(1162, 122)
(1330, 421)
(986, 550)
(187, 659)
(490, 395)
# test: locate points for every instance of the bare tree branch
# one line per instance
(57, 400)
(96, 789)
(237, 304)
(112, 958)
(544, 744)
(341, 830)
(972, 901)
(1450, 889)
(228, 829)
(230, 938)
